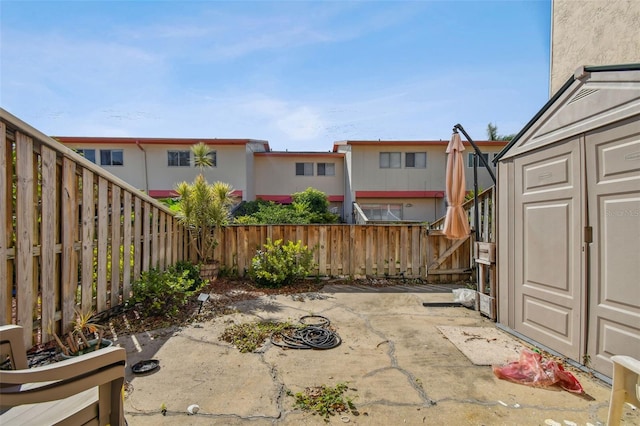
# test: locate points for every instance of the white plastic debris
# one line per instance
(193, 408)
(552, 423)
(465, 296)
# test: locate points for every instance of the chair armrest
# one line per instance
(12, 344)
(68, 368)
(627, 362)
(62, 379)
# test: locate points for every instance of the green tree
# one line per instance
(492, 134)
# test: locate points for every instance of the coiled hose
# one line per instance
(314, 334)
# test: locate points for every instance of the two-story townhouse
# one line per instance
(157, 165)
(279, 174)
(404, 180)
(389, 180)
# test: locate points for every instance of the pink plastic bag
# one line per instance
(531, 370)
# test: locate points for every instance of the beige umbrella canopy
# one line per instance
(456, 223)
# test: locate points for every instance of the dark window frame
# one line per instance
(414, 155)
(178, 158)
(321, 169)
(386, 160)
(109, 157)
(85, 151)
(303, 168)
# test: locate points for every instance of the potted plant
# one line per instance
(203, 208)
(84, 337)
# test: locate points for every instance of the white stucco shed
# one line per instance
(569, 220)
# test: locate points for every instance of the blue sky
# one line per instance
(299, 74)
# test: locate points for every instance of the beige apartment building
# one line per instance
(364, 180)
(404, 180)
(157, 165)
(280, 174)
(595, 32)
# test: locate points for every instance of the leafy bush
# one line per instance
(272, 213)
(162, 292)
(309, 206)
(314, 200)
(277, 264)
(193, 272)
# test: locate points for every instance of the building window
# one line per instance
(111, 157)
(213, 155)
(389, 212)
(89, 154)
(389, 160)
(326, 169)
(417, 160)
(470, 159)
(304, 169)
(178, 158)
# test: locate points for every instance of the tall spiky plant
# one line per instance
(204, 207)
(202, 156)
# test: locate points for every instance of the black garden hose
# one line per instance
(315, 334)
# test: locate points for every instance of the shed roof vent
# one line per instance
(583, 94)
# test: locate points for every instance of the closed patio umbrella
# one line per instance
(456, 223)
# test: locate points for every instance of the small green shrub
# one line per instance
(162, 292)
(193, 272)
(277, 264)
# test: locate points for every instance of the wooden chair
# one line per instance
(625, 386)
(85, 390)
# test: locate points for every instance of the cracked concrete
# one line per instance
(403, 370)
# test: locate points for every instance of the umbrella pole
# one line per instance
(478, 152)
(476, 218)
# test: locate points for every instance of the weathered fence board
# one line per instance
(25, 282)
(48, 221)
(116, 245)
(69, 230)
(6, 172)
(126, 244)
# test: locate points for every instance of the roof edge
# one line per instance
(580, 73)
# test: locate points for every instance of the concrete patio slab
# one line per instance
(400, 368)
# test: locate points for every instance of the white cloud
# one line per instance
(301, 124)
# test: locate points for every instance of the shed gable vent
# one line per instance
(583, 94)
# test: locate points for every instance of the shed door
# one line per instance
(613, 185)
(548, 268)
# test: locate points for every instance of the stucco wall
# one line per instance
(368, 176)
(275, 174)
(231, 165)
(230, 168)
(595, 32)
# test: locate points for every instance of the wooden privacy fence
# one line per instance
(354, 250)
(71, 235)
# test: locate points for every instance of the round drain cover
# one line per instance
(145, 366)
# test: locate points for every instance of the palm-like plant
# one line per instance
(204, 207)
(201, 156)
